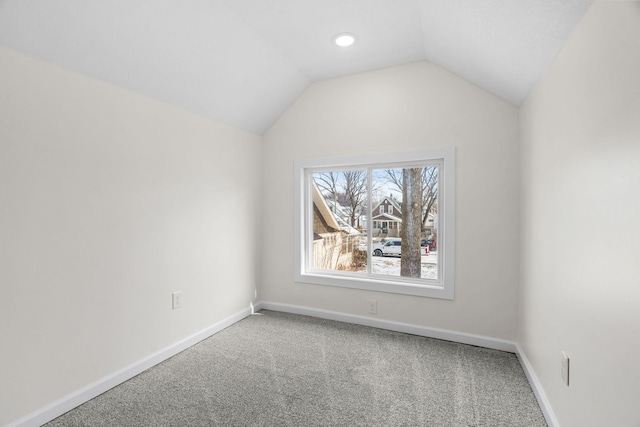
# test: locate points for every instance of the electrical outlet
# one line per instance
(565, 368)
(176, 300)
(373, 307)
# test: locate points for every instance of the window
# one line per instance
(339, 244)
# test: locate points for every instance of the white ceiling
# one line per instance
(243, 62)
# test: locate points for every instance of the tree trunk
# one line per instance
(411, 262)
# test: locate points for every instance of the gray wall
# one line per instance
(406, 108)
(580, 221)
(110, 201)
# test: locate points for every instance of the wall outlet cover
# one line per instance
(176, 300)
(373, 307)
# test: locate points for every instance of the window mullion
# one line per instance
(369, 221)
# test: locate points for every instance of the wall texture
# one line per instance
(406, 108)
(109, 202)
(580, 131)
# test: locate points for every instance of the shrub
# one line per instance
(358, 259)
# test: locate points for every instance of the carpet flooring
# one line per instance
(279, 369)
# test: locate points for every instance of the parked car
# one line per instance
(390, 246)
(428, 243)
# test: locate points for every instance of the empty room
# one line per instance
(320, 213)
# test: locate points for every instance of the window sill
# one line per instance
(390, 285)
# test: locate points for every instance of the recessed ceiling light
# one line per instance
(344, 39)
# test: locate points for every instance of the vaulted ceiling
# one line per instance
(243, 62)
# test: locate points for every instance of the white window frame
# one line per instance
(442, 288)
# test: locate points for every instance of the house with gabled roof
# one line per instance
(387, 217)
(333, 238)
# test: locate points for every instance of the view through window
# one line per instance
(403, 235)
(379, 223)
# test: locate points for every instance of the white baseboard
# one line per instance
(537, 388)
(443, 334)
(77, 398)
(87, 393)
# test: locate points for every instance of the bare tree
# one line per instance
(411, 263)
(429, 185)
(355, 192)
(429, 192)
(348, 188)
(327, 182)
(394, 177)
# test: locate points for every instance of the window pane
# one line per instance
(411, 194)
(339, 205)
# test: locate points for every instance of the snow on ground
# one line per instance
(390, 266)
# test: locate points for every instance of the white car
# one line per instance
(393, 246)
(389, 247)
